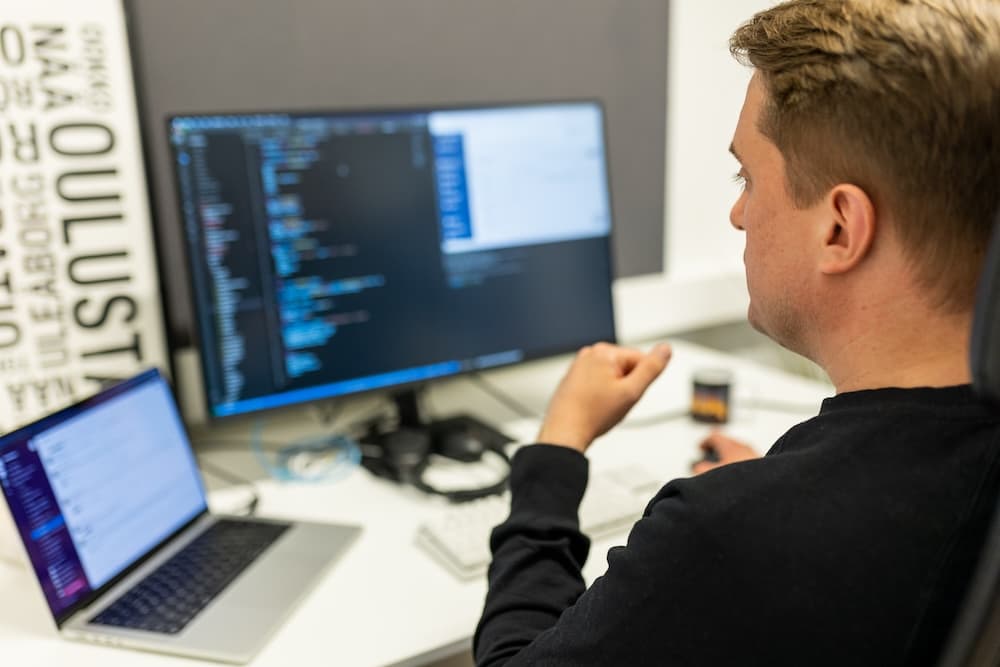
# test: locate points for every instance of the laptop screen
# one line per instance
(95, 487)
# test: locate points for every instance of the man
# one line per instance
(870, 156)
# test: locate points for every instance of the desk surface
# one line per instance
(386, 602)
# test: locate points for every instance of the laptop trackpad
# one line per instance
(289, 568)
(255, 604)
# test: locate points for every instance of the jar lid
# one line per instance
(713, 377)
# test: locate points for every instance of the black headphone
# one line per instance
(404, 454)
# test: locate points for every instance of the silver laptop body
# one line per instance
(106, 491)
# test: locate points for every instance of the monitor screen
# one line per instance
(335, 253)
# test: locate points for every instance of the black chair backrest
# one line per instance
(975, 638)
(985, 357)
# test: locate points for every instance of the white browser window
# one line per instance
(533, 175)
(124, 477)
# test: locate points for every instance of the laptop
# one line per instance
(108, 501)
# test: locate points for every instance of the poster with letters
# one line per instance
(79, 293)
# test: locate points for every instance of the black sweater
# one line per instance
(850, 543)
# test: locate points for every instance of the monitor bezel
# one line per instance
(197, 335)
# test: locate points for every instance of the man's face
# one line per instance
(777, 250)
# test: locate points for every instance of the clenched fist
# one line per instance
(601, 386)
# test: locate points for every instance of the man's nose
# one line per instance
(736, 213)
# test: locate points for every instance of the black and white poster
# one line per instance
(79, 295)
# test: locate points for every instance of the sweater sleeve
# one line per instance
(538, 552)
(646, 609)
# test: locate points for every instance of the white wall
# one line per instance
(703, 281)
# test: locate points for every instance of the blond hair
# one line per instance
(899, 97)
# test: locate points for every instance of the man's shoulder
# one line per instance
(854, 480)
(738, 492)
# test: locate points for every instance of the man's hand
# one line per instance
(721, 450)
(599, 389)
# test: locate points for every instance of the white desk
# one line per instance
(387, 602)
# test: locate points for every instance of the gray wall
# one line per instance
(247, 55)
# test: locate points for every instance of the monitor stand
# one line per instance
(411, 417)
(412, 438)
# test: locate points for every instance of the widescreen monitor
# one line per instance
(334, 253)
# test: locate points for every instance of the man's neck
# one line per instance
(916, 348)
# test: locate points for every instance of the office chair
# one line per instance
(975, 638)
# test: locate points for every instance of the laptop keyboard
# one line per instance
(173, 594)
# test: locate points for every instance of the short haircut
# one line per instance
(901, 98)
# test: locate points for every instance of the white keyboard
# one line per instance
(459, 536)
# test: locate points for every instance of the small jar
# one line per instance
(710, 395)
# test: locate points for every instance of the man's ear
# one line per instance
(849, 229)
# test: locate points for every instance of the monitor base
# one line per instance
(402, 452)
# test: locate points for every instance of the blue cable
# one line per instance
(346, 455)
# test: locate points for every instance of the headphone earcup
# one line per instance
(459, 445)
(401, 455)
(406, 448)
